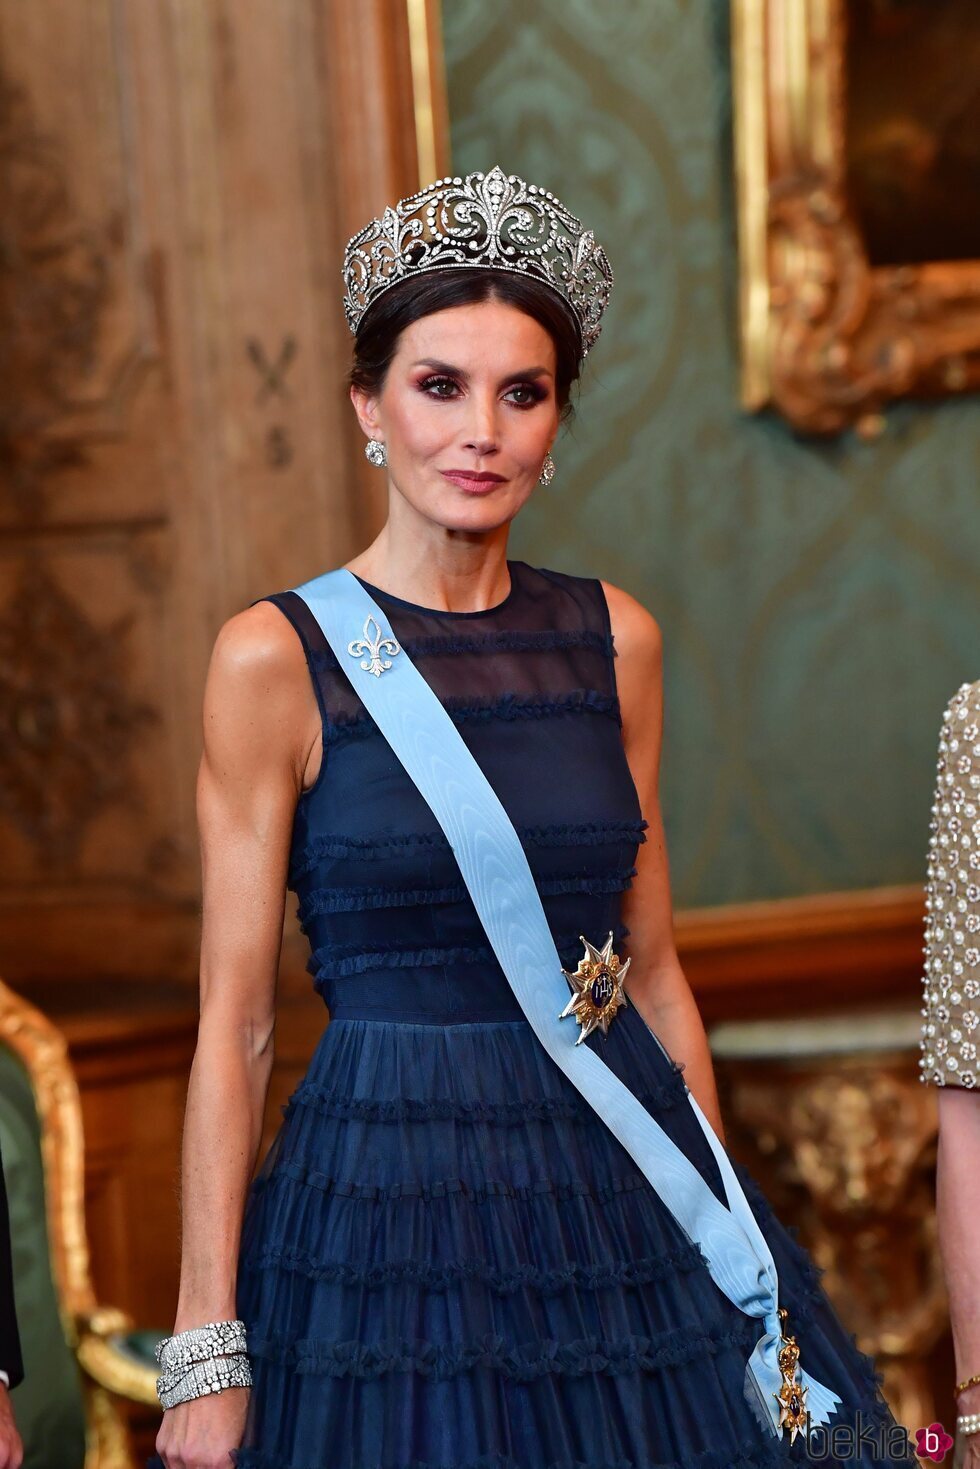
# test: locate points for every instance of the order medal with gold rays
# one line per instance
(791, 1397)
(598, 986)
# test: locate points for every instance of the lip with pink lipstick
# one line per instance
(474, 482)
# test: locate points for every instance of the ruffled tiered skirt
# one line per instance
(449, 1262)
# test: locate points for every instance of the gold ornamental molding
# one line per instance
(428, 89)
(828, 338)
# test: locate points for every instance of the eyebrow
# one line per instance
(448, 368)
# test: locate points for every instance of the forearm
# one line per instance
(958, 1207)
(670, 1010)
(222, 1131)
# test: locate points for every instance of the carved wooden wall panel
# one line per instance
(177, 182)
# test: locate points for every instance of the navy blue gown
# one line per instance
(447, 1259)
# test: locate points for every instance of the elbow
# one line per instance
(258, 1039)
(248, 1037)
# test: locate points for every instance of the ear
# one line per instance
(366, 408)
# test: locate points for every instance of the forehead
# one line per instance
(481, 332)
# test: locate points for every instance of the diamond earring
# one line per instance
(547, 470)
(376, 453)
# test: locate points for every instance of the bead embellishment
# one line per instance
(374, 641)
(951, 966)
(598, 986)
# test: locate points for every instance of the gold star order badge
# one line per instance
(598, 987)
(791, 1397)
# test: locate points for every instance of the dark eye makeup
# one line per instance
(534, 391)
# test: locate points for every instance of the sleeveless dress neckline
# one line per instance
(442, 611)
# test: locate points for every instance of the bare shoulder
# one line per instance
(638, 681)
(257, 650)
(639, 641)
(259, 698)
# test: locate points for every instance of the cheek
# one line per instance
(419, 428)
(532, 435)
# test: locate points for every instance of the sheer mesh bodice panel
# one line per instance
(530, 684)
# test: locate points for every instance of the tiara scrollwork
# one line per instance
(493, 220)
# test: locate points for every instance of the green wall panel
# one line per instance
(819, 601)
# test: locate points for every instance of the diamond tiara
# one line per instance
(492, 220)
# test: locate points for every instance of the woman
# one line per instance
(951, 1035)
(448, 1258)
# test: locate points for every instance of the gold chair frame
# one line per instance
(90, 1329)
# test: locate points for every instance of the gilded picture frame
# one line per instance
(430, 106)
(830, 334)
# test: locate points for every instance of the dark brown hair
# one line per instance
(387, 317)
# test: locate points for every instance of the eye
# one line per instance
(532, 391)
(533, 394)
(430, 383)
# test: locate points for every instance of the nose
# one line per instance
(481, 447)
(482, 428)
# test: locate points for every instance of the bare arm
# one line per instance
(958, 1207)
(260, 726)
(656, 983)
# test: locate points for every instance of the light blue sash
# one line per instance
(496, 872)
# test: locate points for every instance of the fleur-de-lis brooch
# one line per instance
(598, 986)
(374, 641)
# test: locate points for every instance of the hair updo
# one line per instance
(377, 337)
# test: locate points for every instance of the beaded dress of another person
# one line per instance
(951, 977)
(950, 1037)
